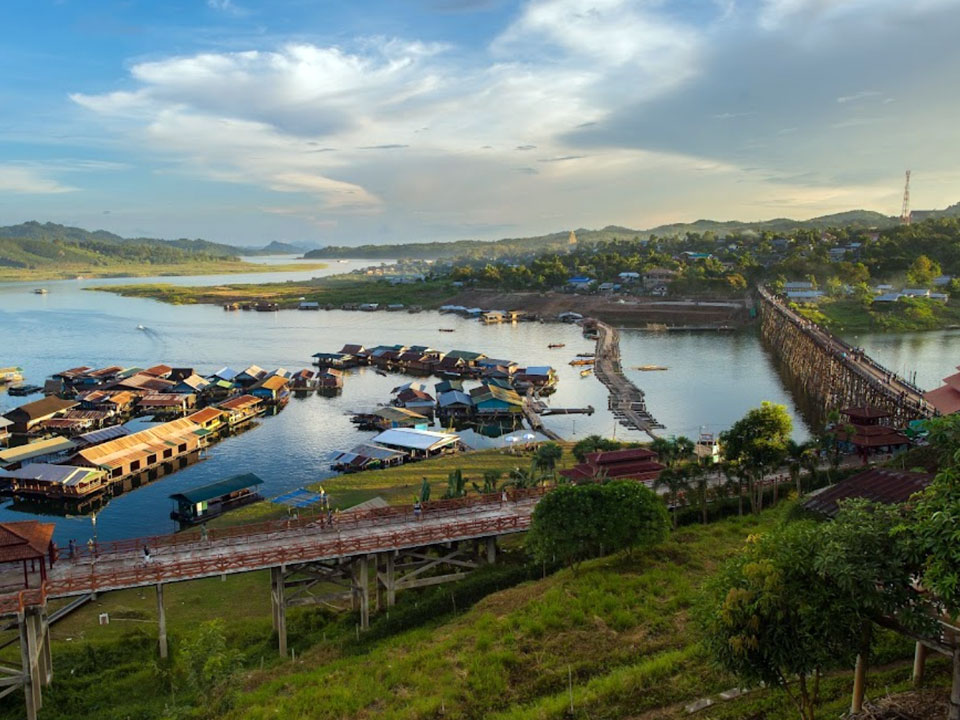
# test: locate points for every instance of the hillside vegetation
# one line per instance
(39, 251)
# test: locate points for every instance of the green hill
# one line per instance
(513, 246)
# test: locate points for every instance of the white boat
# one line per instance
(40, 291)
(141, 327)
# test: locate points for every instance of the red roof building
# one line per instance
(870, 433)
(630, 464)
(946, 399)
(888, 487)
(28, 541)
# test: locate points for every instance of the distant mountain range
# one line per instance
(459, 248)
(36, 245)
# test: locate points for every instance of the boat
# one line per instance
(141, 327)
(447, 330)
(380, 372)
(40, 291)
(586, 355)
(10, 375)
(585, 372)
(648, 368)
(582, 361)
(343, 261)
(23, 390)
(556, 345)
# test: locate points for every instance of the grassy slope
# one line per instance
(68, 270)
(336, 290)
(849, 316)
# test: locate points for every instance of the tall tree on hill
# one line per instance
(676, 481)
(758, 444)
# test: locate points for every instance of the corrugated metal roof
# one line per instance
(59, 474)
(41, 408)
(889, 487)
(218, 489)
(415, 439)
(44, 447)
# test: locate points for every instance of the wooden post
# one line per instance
(279, 608)
(491, 549)
(859, 685)
(161, 623)
(363, 582)
(391, 580)
(919, 663)
(955, 689)
(30, 663)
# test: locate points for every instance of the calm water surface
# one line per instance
(713, 378)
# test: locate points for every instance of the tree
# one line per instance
(491, 482)
(547, 456)
(204, 659)
(795, 453)
(521, 478)
(576, 522)
(758, 443)
(922, 271)
(764, 620)
(456, 485)
(425, 490)
(594, 443)
(676, 481)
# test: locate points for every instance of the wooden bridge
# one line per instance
(626, 401)
(830, 370)
(312, 559)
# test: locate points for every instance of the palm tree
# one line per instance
(684, 447)
(698, 474)
(547, 456)
(521, 478)
(664, 449)
(810, 460)
(676, 482)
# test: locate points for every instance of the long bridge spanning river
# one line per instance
(831, 371)
(312, 559)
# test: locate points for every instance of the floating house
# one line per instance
(274, 390)
(470, 359)
(193, 383)
(50, 450)
(10, 375)
(416, 400)
(167, 404)
(209, 422)
(228, 374)
(303, 381)
(366, 456)
(308, 305)
(241, 409)
(447, 385)
(54, 482)
(490, 401)
(454, 405)
(145, 384)
(339, 360)
(25, 417)
(418, 444)
(158, 371)
(251, 376)
(168, 446)
(4, 430)
(539, 377)
(357, 351)
(203, 503)
(329, 380)
(397, 417)
(95, 437)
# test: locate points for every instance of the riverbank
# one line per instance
(338, 290)
(70, 271)
(334, 290)
(850, 316)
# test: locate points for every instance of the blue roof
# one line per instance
(226, 373)
(297, 498)
(580, 279)
(452, 397)
(538, 370)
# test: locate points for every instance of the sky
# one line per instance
(348, 122)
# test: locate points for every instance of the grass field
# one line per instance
(69, 271)
(334, 290)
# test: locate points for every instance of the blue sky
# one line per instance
(349, 122)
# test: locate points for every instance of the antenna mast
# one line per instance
(905, 212)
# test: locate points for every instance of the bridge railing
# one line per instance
(15, 602)
(372, 517)
(412, 535)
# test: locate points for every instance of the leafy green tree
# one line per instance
(922, 271)
(765, 621)
(758, 444)
(491, 482)
(676, 481)
(522, 478)
(594, 443)
(577, 522)
(204, 660)
(547, 456)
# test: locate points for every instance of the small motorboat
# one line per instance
(40, 291)
(586, 355)
(381, 373)
(343, 261)
(582, 361)
(649, 368)
(141, 327)
(23, 390)
(447, 330)
(556, 345)
(585, 372)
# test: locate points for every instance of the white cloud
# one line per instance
(29, 181)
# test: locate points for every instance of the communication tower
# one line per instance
(905, 212)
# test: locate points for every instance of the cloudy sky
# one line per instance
(338, 121)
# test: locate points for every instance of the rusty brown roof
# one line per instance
(24, 540)
(878, 485)
(40, 409)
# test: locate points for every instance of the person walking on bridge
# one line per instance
(417, 509)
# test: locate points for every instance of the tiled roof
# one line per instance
(889, 487)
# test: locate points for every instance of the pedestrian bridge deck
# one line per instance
(178, 557)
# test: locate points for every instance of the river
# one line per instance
(713, 378)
